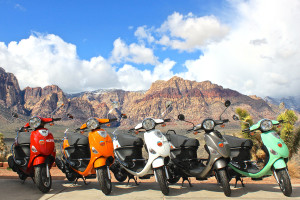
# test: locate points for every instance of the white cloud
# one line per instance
(261, 53)
(136, 53)
(41, 60)
(143, 33)
(190, 32)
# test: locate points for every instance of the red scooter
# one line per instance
(34, 153)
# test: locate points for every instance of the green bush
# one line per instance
(289, 134)
(3, 148)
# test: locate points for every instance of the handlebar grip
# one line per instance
(167, 120)
(190, 130)
(225, 120)
(247, 130)
(113, 119)
(56, 119)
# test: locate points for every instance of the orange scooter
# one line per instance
(88, 156)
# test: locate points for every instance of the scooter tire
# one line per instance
(162, 180)
(224, 181)
(71, 176)
(173, 180)
(284, 182)
(120, 177)
(103, 179)
(41, 180)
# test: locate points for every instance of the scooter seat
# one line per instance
(235, 142)
(24, 138)
(183, 141)
(129, 140)
(76, 138)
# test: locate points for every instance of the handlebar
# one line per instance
(247, 130)
(113, 119)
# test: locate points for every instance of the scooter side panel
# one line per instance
(271, 142)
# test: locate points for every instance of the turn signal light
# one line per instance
(223, 125)
(221, 144)
(102, 143)
(252, 133)
(163, 125)
(279, 144)
(136, 132)
(279, 126)
(196, 132)
(159, 143)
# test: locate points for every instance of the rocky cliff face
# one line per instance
(10, 93)
(196, 100)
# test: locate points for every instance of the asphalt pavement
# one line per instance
(62, 190)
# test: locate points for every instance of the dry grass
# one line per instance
(294, 169)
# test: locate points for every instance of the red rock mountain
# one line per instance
(194, 99)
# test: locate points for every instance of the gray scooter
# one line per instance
(184, 162)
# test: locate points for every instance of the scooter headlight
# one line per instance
(35, 122)
(92, 123)
(148, 124)
(102, 133)
(208, 124)
(266, 125)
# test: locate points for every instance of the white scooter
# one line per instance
(129, 161)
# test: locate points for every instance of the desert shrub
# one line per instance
(289, 134)
(3, 148)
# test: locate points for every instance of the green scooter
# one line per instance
(275, 161)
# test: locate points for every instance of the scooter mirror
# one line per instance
(168, 104)
(181, 117)
(227, 103)
(124, 116)
(235, 118)
(70, 116)
(15, 115)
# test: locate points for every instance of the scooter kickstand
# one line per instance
(132, 177)
(239, 179)
(84, 180)
(188, 180)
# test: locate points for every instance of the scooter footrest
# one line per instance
(92, 176)
(201, 179)
(257, 179)
(145, 177)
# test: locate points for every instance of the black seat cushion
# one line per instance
(24, 138)
(75, 138)
(129, 140)
(183, 141)
(235, 142)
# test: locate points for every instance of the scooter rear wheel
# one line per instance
(41, 180)
(162, 180)
(284, 182)
(223, 181)
(103, 179)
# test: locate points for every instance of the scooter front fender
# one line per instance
(158, 162)
(99, 162)
(279, 164)
(39, 160)
(221, 163)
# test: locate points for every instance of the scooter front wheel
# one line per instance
(41, 180)
(104, 180)
(223, 181)
(284, 182)
(162, 180)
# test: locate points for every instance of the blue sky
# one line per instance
(200, 40)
